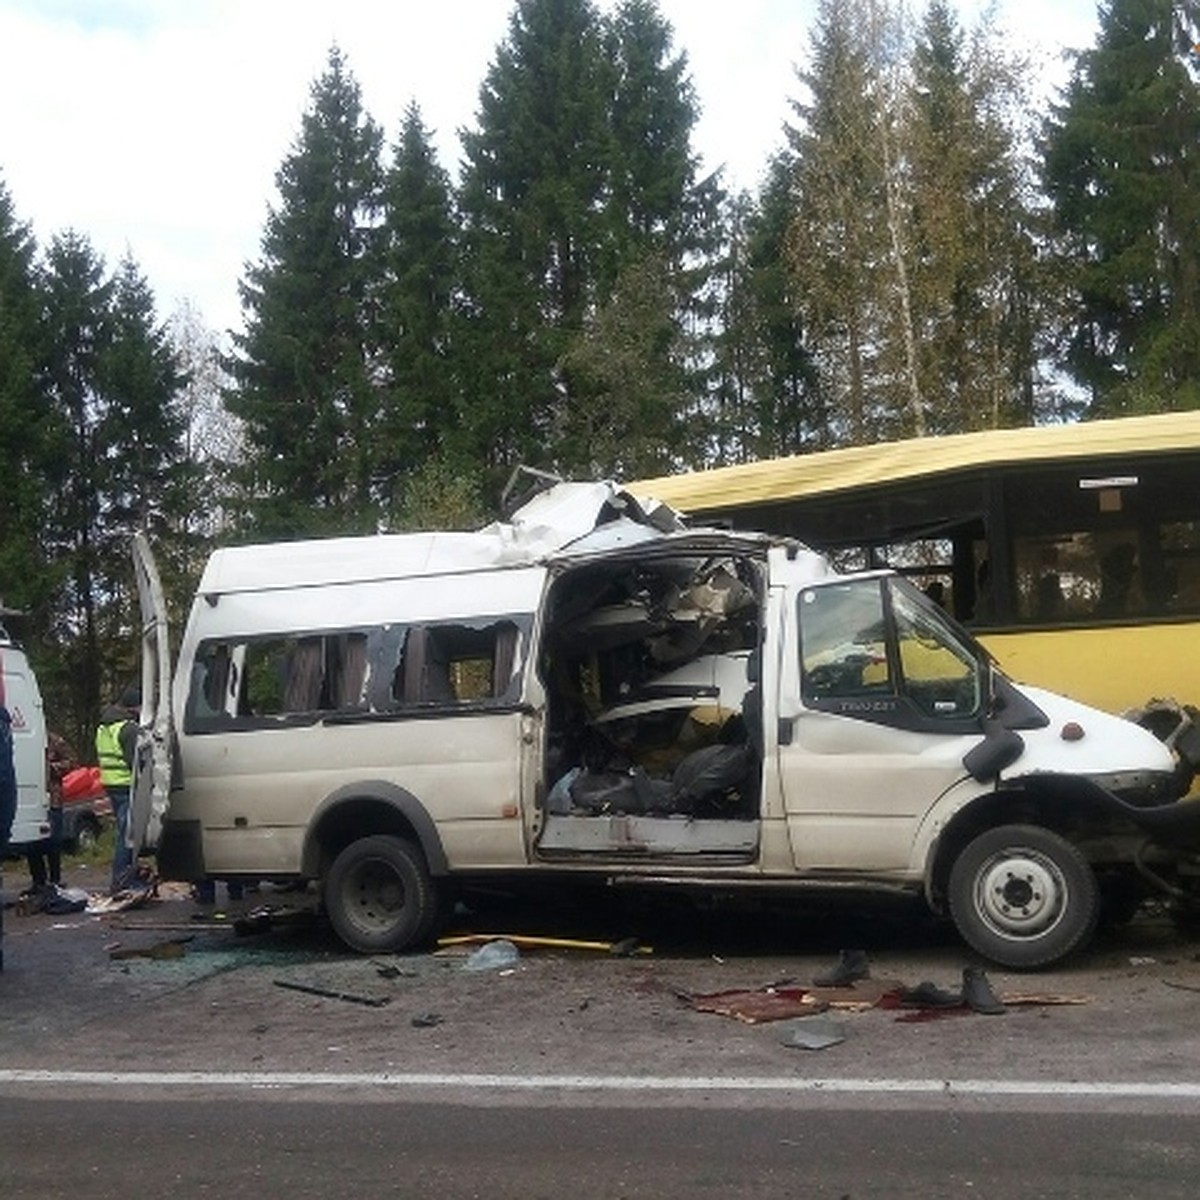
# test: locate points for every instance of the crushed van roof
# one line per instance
(594, 516)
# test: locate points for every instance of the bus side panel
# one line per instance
(1072, 662)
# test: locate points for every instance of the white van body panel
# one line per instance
(1107, 744)
(23, 699)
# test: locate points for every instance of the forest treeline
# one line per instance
(929, 251)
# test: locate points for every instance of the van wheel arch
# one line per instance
(371, 807)
(1048, 803)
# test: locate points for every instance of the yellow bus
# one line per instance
(1072, 551)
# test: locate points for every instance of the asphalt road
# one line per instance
(271, 1146)
(151, 1050)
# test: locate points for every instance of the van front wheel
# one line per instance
(1023, 896)
(379, 896)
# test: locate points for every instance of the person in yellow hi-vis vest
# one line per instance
(116, 744)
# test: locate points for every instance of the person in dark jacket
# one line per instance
(116, 745)
(44, 858)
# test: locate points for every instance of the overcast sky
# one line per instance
(156, 126)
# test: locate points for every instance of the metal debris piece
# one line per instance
(331, 994)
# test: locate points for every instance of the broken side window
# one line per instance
(264, 681)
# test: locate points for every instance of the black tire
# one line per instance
(379, 896)
(1023, 897)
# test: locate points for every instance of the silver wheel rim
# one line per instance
(373, 896)
(1020, 893)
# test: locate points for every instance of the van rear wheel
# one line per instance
(379, 896)
(1023, 896)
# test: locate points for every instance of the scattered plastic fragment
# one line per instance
(492, 956)
(812, 1033)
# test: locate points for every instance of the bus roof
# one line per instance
(856, 467)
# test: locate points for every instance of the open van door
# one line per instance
(153, 762)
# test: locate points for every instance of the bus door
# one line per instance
(889, 698)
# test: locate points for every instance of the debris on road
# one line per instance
(754, 1007)
(813, 1033)
(623, 948)
(331, 994)
(924, 1002)
(174, 948)
(493, 956)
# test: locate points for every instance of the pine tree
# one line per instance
(666, 225)
(77, 298)
(838, 248)
(304, 368)
(973, 255)
(23, 499)
(771, 403)
(582, 216)
(145, 480)
(418, 423)
(532, 190)
(110, 383)
(1120, 169)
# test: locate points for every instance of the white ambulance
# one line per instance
(593, 691)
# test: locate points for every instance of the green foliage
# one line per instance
(441, 494)
(627, 390)
(769, 402)
(110, 380)
(25, 495)
(580, 207)
(913, 242)
(975, 283)
(418, 404)
(839, 184)
(1120, 170)
(303, 368)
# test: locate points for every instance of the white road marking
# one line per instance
(610, 1083)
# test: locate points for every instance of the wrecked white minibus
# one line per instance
(592, 690)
